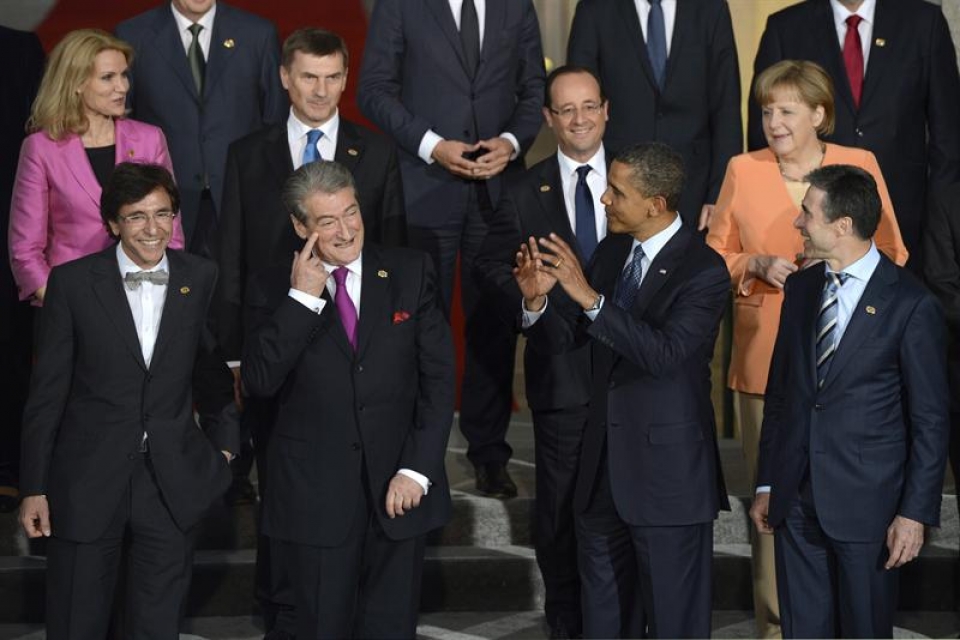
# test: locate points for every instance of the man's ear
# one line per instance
(299, 228)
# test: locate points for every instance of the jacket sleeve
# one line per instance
(30, 219)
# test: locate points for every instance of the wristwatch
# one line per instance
(596, 304)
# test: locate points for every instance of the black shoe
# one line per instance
(9, 499)
(240, 492)
(493, 480)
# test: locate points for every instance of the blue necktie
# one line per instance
(629, 282)
(827, 332)
(310, 152)
(585, 214)
(657, 41)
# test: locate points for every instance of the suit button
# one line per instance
(859, 132)
(466, 133)
(360, 408)
(359, 368)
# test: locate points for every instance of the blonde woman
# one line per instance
(78, 134)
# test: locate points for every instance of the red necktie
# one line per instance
(853, 58)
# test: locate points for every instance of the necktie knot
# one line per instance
(195, 29)
(582, 172)
(310, 152)
(853, 21)
(313, 136)
(655, 3)
(133, 279)
(340, 276)
(837, 280)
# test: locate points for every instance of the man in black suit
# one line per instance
(25, 57)
(206, 73)
(354, 341)
(255, 229)
(897, 89)
(670, 69)
(649, 483)
(550, 197)
(855, 426)
(110, 443)
(459, 85)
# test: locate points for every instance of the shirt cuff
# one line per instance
(513, 140)
(313, 303)
(233, 364)
(593, 313)
(419, 478)
(530, 317)
(764, 488)
(428, 143)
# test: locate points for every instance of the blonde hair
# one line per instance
(58, 108)
(808, 79)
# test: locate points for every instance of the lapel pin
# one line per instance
(663, 272)
(130, 153)
(880, 42)
(544, 188)
(353, 152)
(382, 273)
(229, 43)
(184, 290)
(871, 310)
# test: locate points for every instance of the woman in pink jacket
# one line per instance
(78, 134)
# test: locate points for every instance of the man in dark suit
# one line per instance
(897, 88)
(552, 197)
(459, 86)
(670, 69)
(353, 340)
(255, 229)
(25, 56)
(110, 444)
(206, 73)
(855, 426)
(649, 484)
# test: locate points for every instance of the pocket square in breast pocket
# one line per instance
(400, 316)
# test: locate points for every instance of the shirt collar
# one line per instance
(205, 21)
(840, 13)
(656, 242)
(127, 265)
(597, 162)
(863, 268)
(299, 129)
(355, 267)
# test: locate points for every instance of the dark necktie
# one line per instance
(657, 41)
(310, 152)
(345, 308)
(133, 279)
(827, 331)
(585, 214)
(470, 35)
(853, 57)
(629, 282)
(198, 66)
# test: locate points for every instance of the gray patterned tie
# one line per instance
(827, 332)
(133, 279)
(629, 282)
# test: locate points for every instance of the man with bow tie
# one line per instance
(352, 341)
(649, 485)
(111, 447)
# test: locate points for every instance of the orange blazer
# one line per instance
(754, 216)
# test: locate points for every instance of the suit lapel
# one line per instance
(609, 264)
(349, 146)
(810, 291)
(824, 35)
(685, 22)
(108, 289)
(553, 204)
(170, 46)
(448, 27)
(75, 159)
(631, 23)
(660, 270)
(171, 316)
(277, 152)
(220, 55)
(885, 28)
(496, 16)
(374, 291)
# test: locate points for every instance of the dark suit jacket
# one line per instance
(534, 206)
(242, 93)
(413, 79)
(908, 110)
(698, 111)
(941, 269)
(92, 397)
(651, 419)
(874, 437)
(341, 414)
(255, 229)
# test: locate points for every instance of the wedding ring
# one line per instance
(556, 265)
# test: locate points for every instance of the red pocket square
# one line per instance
(400, 316)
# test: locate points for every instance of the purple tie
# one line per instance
(348, 312)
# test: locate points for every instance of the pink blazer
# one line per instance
(55, 210)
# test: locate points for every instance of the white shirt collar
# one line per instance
(355, 267)
(840, 13)
(597, 162)
(656, 242)
(205, 21)
(127, 265)
(863, 268)
(298, 129)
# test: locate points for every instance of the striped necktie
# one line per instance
(827, 330)
(630, 279)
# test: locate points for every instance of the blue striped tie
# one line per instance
(630, 281)
(310, 152)
(827, 331)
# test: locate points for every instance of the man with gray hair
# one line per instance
(354, 342)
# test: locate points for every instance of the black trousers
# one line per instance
(82, 576)
(16, 345)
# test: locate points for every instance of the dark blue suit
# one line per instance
(845, 459)
(242, 94)
(650, 483)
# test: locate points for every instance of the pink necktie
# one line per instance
(853, 57)
(345, 308)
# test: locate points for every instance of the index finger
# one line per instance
(307, 252)
(558, 247)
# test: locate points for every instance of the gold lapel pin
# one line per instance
(353, 152)
(544, 188)
(382, 273)
(229, 43)
(880, 42)
(871, 310)
(184, 290)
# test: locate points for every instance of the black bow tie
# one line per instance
(133, 279)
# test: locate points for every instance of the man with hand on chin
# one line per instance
(352, 341)
(110, 443)
(649, 483)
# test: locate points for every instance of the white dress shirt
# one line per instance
(867, 11)
(354, 278)
(206, 34)
(146, 302)
(297, 138)
(669, 18)
(596, 180)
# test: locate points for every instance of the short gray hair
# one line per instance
(311, 178)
